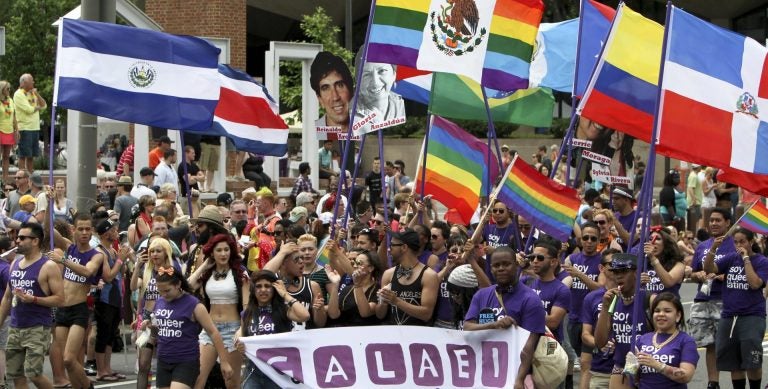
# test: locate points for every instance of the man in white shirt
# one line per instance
(165, 173)
(145, 187)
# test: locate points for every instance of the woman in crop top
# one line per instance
(224, 286)
(144, 279)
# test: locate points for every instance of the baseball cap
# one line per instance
(325, 217)
(104, 226)
(297, 213)
(304, 197)
(145, 171)
(165, 139)
(26, 199)
(695, 165)
(409, 237)
(622, 261)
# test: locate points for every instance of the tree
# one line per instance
(318, 28)
(31, 41)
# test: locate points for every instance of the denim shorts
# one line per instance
(29, 145)
(227, 331)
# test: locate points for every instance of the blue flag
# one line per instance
(134, 75)
(554, 57)
(595, 22)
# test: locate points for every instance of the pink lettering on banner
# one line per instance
(427, 365)
(334, 367)
(386, 365)
(495, 364)
(286, 360)
(463, 365)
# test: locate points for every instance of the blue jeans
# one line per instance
(256, 379)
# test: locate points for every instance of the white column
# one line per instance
(141, 150)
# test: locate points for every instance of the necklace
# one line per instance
(627, 300)
(403, 272)
(220, 275)
(658, 346)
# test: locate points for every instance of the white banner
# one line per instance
(389, 356)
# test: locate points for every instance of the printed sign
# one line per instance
(397, 356)
(594, 157)
(583, 143)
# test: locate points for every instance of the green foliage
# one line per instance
(31, 41)
(318, 28)
(559, 10)
(415, 126)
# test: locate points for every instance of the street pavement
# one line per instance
(125, 362)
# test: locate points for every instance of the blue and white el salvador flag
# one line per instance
(134, 75)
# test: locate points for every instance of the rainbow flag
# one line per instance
(457, 167)
(493, 45)
(756, 219)
(323, 255)
(546, 204)
(623, 89)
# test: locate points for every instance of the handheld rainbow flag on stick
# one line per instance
(546, 204)
(323, 255)
(755, 219)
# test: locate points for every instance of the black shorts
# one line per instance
(74, 315)
(740, 343)
(183, 372)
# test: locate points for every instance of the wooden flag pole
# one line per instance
(735, 224)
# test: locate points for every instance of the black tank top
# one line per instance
(304, 297)
(410, 294)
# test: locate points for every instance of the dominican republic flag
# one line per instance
(714, 103)
(134, 75)
(248, 115)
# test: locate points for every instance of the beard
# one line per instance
(202, 238)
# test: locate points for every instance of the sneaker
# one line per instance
(713, 385)
(90, 369)
(576, 366)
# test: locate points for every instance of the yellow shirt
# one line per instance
(26, 115)
(6, 115)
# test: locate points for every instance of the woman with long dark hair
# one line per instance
(223, 285)
(144, 219)
(666, 268)
(178, 317)
(672, 203)
(270, 310)
(462, 286)
(667, 356)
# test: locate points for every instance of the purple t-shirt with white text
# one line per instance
(602, 362)
(727, 248)
(738, 298)
(553, 294)
(681, 349)
(589, 265)
(621, 328)
(521, 303)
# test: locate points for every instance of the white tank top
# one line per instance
(222, 291)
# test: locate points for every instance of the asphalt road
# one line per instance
(125, 362)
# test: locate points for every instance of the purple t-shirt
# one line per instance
(444, 305)
(82, 258)
(26, 315)
(602, 362)
(5, 275)
(497, 236)
(553, 294)
(726, 249)
(589, 265)
(681, 349)
(520, 302)
(262, 322)
(177, 337)
(621, 328)
(626, 221)
(738, 298)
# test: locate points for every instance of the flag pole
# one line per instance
(51, 215)
(384, 194)
(359, 71)
(491, 132)
(424, 159)
(648, 183)
(483, 218)
(735, 225)
(354, 177)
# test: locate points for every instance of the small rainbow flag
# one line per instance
(756, 219)
(456, 167)
(545, 203)
(323, 255)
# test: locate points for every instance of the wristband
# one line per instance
(292, 302)
(745, 258)
(34, 299)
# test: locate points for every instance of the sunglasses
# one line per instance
(25, 237)
(397, 244)
(589, 238)
(434, 237)
(601, 222)
(537, 257)
(455, 250)
(498, 210)
(378, 222)
(525, 226)
(240, 211)
(606, 264)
